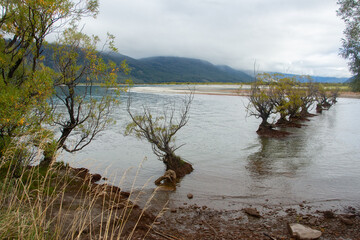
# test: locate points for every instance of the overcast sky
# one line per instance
(290, 36)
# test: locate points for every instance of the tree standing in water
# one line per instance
(159, 131)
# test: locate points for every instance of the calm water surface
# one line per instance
(318, 163)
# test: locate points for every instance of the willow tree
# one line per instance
(349, 11)
(86, 90)
(159, 129)
(261, 104)
(269, 95)
(308, 94)
(25, 83)
(285, 99)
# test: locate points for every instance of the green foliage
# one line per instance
(77, 61)
(349, 11)
(25, 82)
(355, 83)
(280, 94)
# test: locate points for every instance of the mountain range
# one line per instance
(179, 70)
(319, 79)
(182, 70)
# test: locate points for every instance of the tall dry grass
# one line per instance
(53, 202)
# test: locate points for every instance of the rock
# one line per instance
(313, 221)
(299, 231)
(169, 177)
(95, 177)
(252, 212)
(329, 214)
(166, 188)
(125, 194)
(346, 221)
(81, 172)
(190, 196)
(173, 210)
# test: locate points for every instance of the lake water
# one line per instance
(319, 163)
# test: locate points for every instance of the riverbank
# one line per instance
(216, 89)
(192, 221)
(272, 184)
(200, 222)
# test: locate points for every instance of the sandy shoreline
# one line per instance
(226, 90)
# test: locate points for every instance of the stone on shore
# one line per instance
(95, 177)
(252, 212)
(300, 232)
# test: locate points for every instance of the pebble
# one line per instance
(346, 221)
(190, 196)
(252, 212)
(329, 214)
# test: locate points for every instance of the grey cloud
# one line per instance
(302, 36)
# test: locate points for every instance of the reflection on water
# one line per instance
(270, 159)
(318, 163)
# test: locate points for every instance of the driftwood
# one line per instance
(169, 176)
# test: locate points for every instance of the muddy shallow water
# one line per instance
(318, 163)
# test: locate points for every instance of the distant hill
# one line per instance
(177, 69)
(182, 70)
(330, 79)
(319, 79)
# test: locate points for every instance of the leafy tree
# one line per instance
(261, 104)
(86, 114)
(25, 83)
(285, 98)
(323, 99)
(159, 130)
(349, 11)
(307, 97)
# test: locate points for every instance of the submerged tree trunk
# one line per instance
(178, 165)
(264, 126)
(282, 121)
(326, 105)
(266, 130)
(319, 108)
(305, 113)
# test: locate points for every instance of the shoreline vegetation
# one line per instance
(61, 202)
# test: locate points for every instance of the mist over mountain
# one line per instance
(177, 69)
(182, 70)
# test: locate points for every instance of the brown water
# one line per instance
(319, 163)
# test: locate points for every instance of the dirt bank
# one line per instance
(191, 221)
(200, 222)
